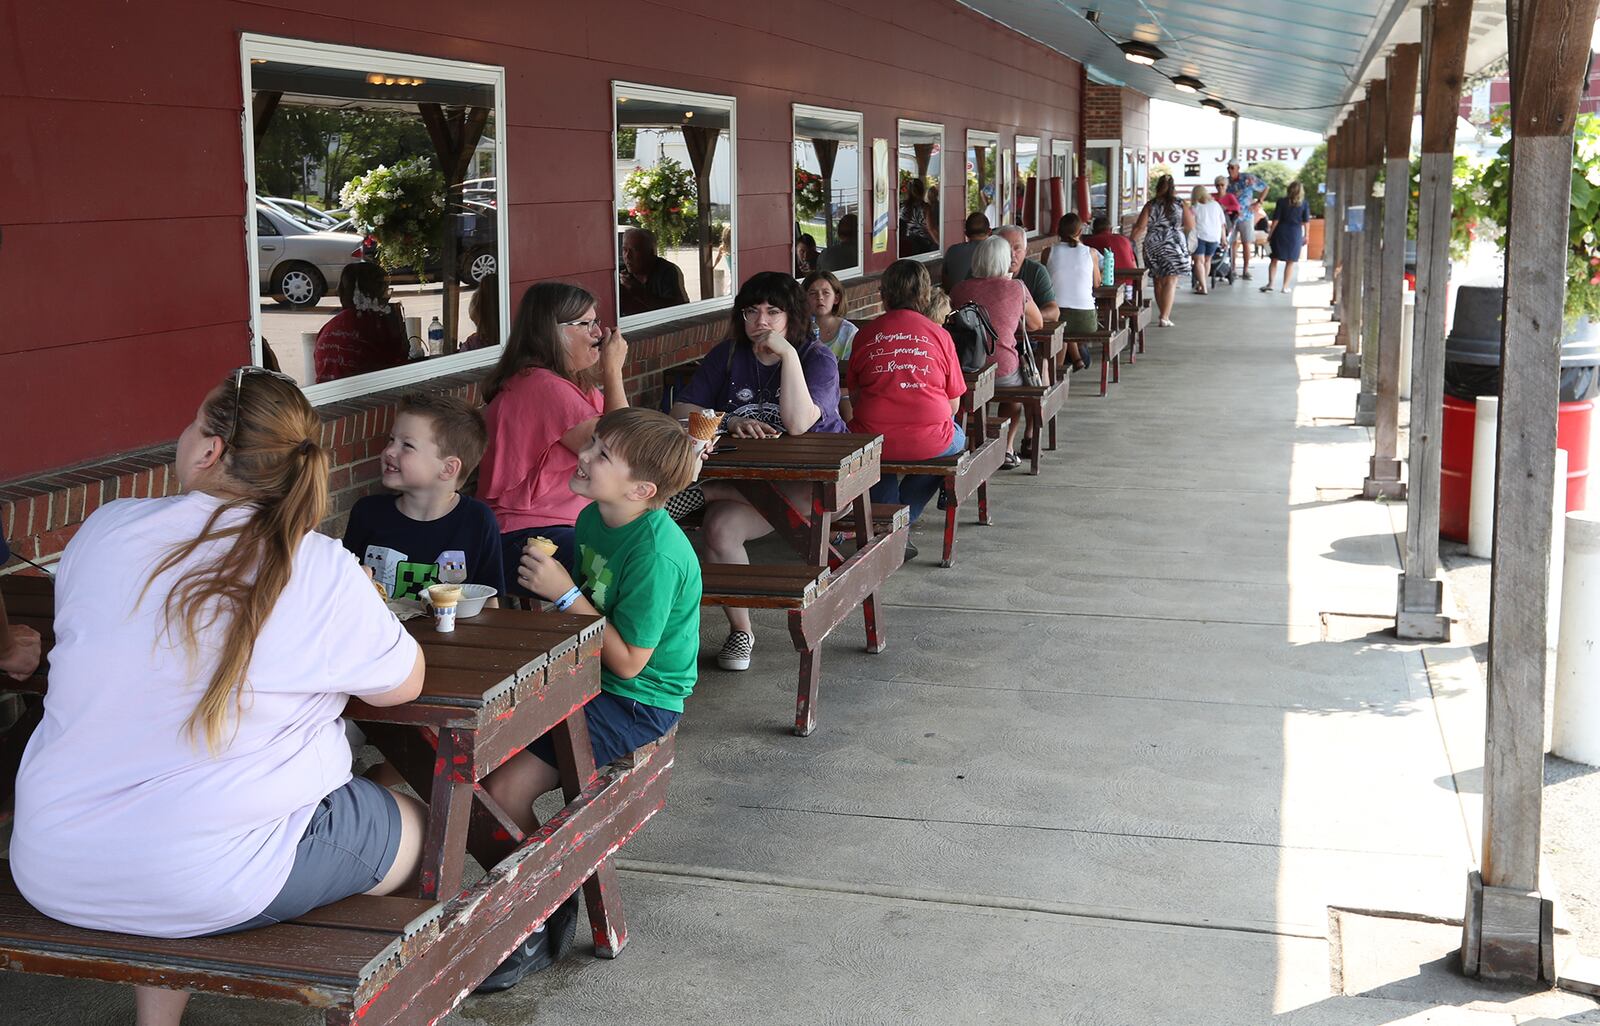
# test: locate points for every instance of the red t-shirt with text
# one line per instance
(902, 374)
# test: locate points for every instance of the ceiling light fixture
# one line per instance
(1216, 105)
(1140, 52)
(1229, 112)
(1187, 84)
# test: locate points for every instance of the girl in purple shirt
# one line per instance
(770, 380)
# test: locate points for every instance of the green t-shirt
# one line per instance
(644, 576)
(1036, 277)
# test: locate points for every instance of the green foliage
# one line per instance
(627, 143)
(341, 143)
(403, 206)
(663, 200)
(808, 194)
(1277, 176)
(1313, 174)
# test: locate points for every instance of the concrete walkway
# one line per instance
(1113, 769)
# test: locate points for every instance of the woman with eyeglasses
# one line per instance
(191, 775)
(559, 371)
(769, 379)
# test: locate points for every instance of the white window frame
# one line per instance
(673, 313)
(862, 176)
(894, 187)
(1038, 181)
(991, 141)
(1113, 178)
(355, 58)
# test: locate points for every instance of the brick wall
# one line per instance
(1102, 112)
(39, 515)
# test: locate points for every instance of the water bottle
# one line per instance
(435, 337)
(1108, 268)
(814, 333)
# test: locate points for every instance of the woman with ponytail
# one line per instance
(191, 775)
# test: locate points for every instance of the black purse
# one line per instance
(973, 335)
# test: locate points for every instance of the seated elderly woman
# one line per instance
(1011, 309)
(906, 383)
(368, 333)
(769, 379)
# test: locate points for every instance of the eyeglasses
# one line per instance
(238, 392)
(588, 325)
(751, 313)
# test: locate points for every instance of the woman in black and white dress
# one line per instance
(1163, 223)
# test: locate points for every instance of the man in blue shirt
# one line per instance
(1245, 188)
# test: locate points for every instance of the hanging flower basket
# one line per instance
(403, 208)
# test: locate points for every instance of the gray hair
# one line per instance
(992, 258)
(1009, 229)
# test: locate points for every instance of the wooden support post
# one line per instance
(1383, 474)
(1419, 605)
(1509, 939)
(262, 107)
(1357, 184)
(455, 134)
(1332, 230)
(1372, 252)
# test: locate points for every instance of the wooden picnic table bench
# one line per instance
(835, 472)
(1139, 311)
(1041, 404)
(501, 680)
(1112, 337)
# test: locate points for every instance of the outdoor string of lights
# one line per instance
(1137, 51)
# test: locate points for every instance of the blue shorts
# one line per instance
(1206, 249)
(348, 848)
(617, 726)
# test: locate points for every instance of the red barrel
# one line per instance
(1455, 467)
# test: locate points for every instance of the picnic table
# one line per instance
(1049, 346)
(974, 406)
(834, 473)
(501, 680)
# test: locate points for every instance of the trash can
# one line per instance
(1471, 369)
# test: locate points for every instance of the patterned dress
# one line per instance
(1165, 251)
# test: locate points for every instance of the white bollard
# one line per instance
(1552, 604)
(1480, 508)
(1576, 733)
(1408, 323)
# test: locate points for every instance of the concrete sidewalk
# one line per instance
(1114, 768)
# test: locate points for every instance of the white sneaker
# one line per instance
(1165, 322)
(735, 654)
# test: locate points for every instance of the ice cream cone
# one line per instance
(541, 545)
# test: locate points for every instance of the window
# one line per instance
(358, 166)
(920, 177)
(675, 202)
(827, 190)
(1102, 165)
(983, 191)
(1063, 166)
(1027, 188)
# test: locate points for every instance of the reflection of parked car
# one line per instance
(321, 220)
(296, 261)
(478, 239)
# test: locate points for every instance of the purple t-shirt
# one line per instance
(731, 379)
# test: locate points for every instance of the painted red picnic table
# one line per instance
(502, 679)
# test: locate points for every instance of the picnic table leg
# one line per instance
(1116, 368)
(805, 711)
(444, 846)
(575, 763)
(951, 508)
(876, 641)
(983, 505)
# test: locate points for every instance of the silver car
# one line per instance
(297, 262)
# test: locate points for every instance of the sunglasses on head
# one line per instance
(239, 375)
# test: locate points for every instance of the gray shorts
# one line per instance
(1011, 380)
(348, 848)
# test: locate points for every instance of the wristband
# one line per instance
(565, 601)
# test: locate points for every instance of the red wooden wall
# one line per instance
(123, 280)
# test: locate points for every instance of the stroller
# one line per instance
(1222, 263)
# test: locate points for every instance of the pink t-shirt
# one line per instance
(1004, 300)
(122, 822)
(526, 469)
(902, 374)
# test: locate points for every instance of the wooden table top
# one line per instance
(487, 658)
(815, 456)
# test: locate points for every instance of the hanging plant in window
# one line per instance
(807, 195)
(663, 200)
(403, 208)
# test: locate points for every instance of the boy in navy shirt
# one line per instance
(408, 539)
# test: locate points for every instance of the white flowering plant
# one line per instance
(403, 208)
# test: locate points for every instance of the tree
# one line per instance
(1277, 176)
(1314, 174)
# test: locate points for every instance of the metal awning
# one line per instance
(1294, 62)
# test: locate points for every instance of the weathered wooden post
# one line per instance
(1372, 252)
(1356, 185)
(1333, 203)
(1383, 474)
(1419, 608)
(1508, 933)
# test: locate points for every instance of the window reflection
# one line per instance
(920, 173)
(1099, 163)
(675, 189)
(983, 191)
(827, 190)
(1027, 187)
(376, 214)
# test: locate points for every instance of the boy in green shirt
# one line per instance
(640, 572)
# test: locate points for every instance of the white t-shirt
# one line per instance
(1208, 221)
(1072, 273)
(122, 822)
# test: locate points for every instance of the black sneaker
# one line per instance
(539, 951)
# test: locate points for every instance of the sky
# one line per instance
(1174, 125)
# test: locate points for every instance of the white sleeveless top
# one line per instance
(1072, 273)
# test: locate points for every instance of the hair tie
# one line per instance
(307, 447)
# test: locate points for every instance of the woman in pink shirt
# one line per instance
(191, 775)
(907, 383)
(1010, 307)
(559, 371)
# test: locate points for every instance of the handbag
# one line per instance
(1027, 366)
(973, 335)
